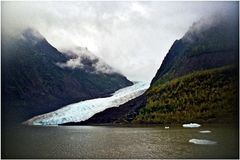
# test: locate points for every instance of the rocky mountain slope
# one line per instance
(37, 78)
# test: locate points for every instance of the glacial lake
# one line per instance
(119, 142)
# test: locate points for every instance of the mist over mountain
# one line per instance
(82, 58)
(37, 78)
(135, 34)
(209, 43)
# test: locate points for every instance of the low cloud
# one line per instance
(132, 37)
(84, 59)
(227, 19)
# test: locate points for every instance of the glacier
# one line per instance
(84, 110)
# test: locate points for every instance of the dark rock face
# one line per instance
(33, 84)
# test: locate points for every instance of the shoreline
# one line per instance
(152, 125)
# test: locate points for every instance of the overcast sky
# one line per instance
(132, 37)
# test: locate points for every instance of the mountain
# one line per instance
(197, 80)
(37, 78)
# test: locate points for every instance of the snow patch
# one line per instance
(191, 125)
(84, 110)
(202, 141)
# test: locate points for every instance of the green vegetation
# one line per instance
(202, 96)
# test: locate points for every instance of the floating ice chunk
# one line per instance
(191, 125)
(202, 141)
(166, 127)
(83, 110)
(207, 131)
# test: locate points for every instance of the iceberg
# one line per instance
(84, 110)
(202, 141)
(191, 125)
(207, 131)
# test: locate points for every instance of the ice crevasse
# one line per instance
(84, 110)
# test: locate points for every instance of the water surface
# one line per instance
(118, 142)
